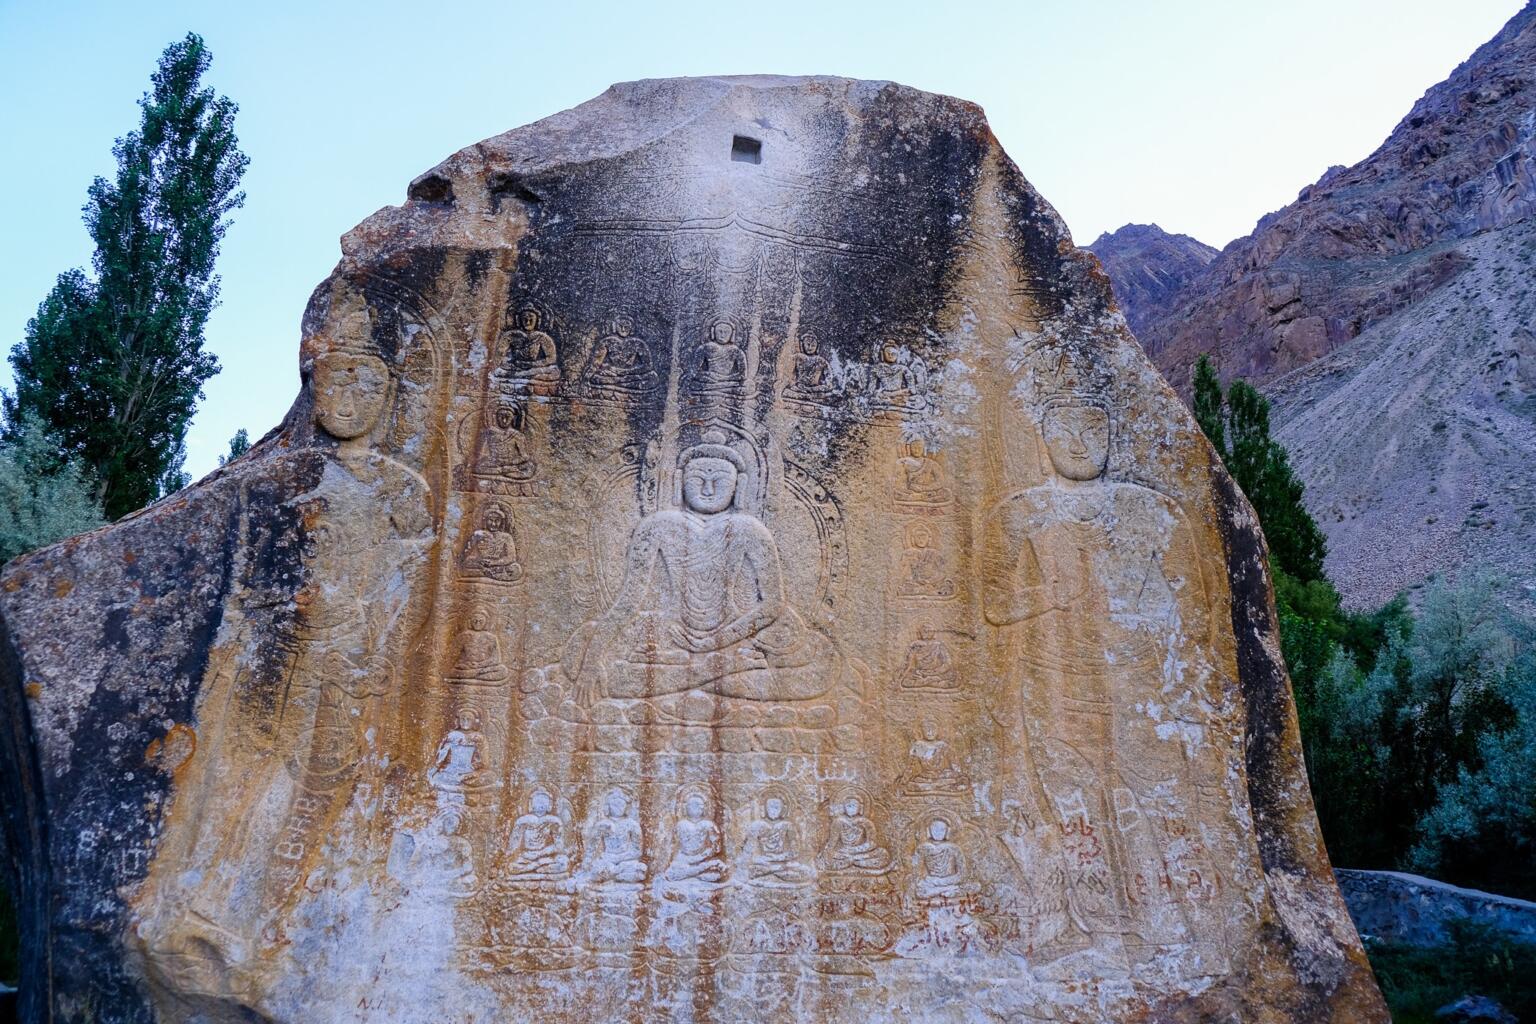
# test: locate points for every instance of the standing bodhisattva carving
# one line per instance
(1104, 580)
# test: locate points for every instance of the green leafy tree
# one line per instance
(1208, 404)
(1411, 759)
(113, 364)
(1482, 828)
(1237, 425)
(43, 498)
(238, 446)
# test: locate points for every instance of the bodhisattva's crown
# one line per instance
(1058, 374)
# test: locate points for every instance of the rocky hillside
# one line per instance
(1366, 241)
(1417, 440)
(1150, 269)
(1389, 312)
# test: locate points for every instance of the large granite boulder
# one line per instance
(727, 561)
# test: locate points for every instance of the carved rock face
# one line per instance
(592, 644)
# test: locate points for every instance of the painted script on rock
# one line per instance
(701, 588)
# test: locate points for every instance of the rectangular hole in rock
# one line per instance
(745, 150)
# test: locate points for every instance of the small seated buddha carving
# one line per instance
(939, 865)
(811, 378)
(530, 351)
(922, 481)
(460, 762)
(852, 846)
(922, 572)
(491, 551)
(621, 363)
(930, 664)
(721, 365)
(478, 655)
(613, 843)
(931, 765)
(536, 848)
(504, 446)
(772, 848)
(698, 859)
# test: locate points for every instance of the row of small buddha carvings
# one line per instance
(541, 850)
(623, 363)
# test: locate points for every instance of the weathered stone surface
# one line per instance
(728, 561)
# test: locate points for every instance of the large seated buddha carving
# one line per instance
(702, 605)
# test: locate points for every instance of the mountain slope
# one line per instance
(1417, 440)
(1366, 241)
(1149, 268)
(1389, 314)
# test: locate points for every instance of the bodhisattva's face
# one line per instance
(709, 485)
(349, 393)
(1077, 438)
(775, 809)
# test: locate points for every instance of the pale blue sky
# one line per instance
(1199, 115)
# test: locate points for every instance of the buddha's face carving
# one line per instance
(709, 485)
(774, 807)
(529, 319)
(694, 808)
(540, 802)
(1077, 438)
(349, 393)
(809, 344)
(618, 804)
(722, 333)
(938, 830)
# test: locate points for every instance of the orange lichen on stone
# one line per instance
(170, 752)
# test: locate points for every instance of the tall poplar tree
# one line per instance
(1237, 424)
(113, 363)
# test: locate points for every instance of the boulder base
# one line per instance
(728, 560)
